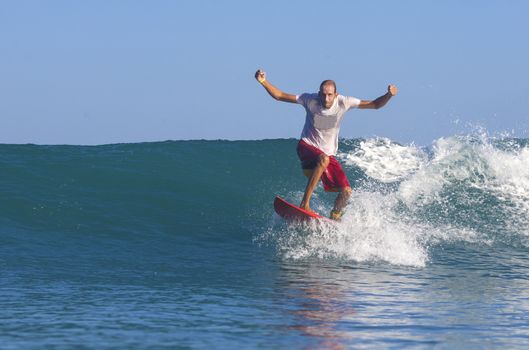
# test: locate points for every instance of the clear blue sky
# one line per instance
(93, 72)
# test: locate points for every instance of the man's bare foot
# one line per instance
(306, 207)
(336, 214)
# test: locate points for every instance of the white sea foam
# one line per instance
(372, 229)
(510, 182)
(448, 165)
(369, 231)
(498, 169)
(384, 160)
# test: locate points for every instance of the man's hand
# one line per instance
(277, 94)
(380, 101)
(392, 90)
(260, 75)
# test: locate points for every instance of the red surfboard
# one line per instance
(292, 212)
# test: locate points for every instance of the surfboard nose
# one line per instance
(292, 212)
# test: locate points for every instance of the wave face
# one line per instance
(408, 201)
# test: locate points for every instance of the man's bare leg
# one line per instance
(341, 202)
(323, 162)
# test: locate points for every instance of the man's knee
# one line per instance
(347, 191)
(323, 160)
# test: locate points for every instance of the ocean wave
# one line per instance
(408, 201)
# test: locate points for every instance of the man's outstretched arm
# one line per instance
(272, 90)
(381, 101)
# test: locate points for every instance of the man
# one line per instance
(319, 138)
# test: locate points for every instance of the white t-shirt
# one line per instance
(322, 125)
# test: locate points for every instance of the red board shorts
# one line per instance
(333, 178)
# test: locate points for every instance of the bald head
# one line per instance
(327, 93)
(328, 83)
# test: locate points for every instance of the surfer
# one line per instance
(319, 139)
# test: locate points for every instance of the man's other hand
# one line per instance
(260, 75)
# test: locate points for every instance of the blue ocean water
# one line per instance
(175, 244)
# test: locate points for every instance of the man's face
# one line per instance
(327, 95)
